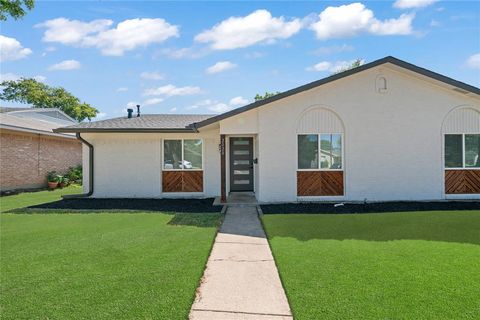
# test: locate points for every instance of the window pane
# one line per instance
(241, 152)
(192, 154)
(331, 151)
(239, 142)
(453, 151)
(472, 150)
(240, 162)
(172, 154)
(308, 151)
(336, 151)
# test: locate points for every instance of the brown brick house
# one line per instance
(29, 148)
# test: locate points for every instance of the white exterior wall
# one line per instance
(130, 164)
(85, 168)
(392, 140)
(393, 144)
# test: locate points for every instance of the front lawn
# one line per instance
(27, 199)
(416, 265)
(102, 265)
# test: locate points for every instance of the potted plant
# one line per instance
(52, 180)
(63, 181)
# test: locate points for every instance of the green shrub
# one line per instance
(52, 176)
(74, 174)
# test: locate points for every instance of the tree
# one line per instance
(40, 95)
(15, 8)
(259, 97)
(355, 64)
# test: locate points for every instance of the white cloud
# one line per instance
(219, 107)
(220, 66)
(238, 101)
(152, 101)
(122, 89)
(47, 50)
(353, 19)
(71, 32)
(321, 66)
(100, 115)
(407, 4)
(9, 76)
(241, 32)
(171, 90)
(127, 35)
(183, 53)
(14, 77)
(12, 49)
(474, 61)
(331, 66)
(40, 78)
(173, 110)
(132, 104)
(65, 65)
(151, 75)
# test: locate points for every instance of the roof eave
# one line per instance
(125, 130)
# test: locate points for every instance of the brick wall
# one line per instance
(26, 158)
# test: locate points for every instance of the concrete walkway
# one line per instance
(241, 280)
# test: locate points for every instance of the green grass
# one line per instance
(417, 265)
(33, 198)
(103, 265)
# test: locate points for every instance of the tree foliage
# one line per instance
(40, 95)
(259, 97)
(15, 8)
(355, 64)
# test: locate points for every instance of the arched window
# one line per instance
(461, 137)
(320, 154)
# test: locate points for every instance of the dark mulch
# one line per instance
(399, 206)
(165, 205)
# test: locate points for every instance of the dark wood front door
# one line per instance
(241, 164)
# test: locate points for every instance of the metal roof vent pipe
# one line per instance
(129, 112)
(138, 110)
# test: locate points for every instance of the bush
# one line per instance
(74, 174)
(52, 176)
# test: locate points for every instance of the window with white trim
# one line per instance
(182, 154)
(320, 151)
(462, 151)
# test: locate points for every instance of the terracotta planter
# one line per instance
(52, 185)
(62, 184)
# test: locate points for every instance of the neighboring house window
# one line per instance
(320, 151)
(182, 154)
(462, 150)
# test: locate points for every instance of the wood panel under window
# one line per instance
(182, 181)
(320, 183)
(462, 181)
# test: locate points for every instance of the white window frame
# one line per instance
(318, 150)
(182, 140)
(463, 152)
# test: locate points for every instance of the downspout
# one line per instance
(90, 170)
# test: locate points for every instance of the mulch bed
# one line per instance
(165, 205)
(394, 206)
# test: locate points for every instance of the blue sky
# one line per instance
(209, 57)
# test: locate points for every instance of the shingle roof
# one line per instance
(146, 122)
(31, 120)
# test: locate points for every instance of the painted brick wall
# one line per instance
(26, 158)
